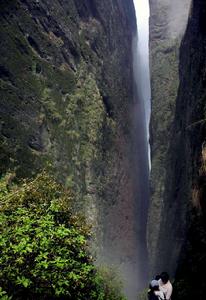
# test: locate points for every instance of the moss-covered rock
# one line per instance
(66, 75)
(166, 31)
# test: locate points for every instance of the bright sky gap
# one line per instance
(142, 16)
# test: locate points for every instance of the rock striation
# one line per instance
(67, 98)
(186, 180)
(179, 244)
(168, 21)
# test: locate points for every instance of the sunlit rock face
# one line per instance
(67, 106)
(168, 20)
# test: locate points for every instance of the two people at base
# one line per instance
(160, 288)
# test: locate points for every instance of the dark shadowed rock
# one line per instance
(178, 242)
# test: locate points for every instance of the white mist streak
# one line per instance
(143, 72)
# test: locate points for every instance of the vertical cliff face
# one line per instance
(67, 95)
(180, 238)
(186, 175)
(167, 24)
(57, 59)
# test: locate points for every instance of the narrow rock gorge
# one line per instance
(73, 106)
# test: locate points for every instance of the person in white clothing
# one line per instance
(154, 293)
(165, 285)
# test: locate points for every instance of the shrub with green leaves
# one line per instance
(43, 245)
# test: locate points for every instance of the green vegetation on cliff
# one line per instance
(44, 246)
(66, 87)
(66, 77)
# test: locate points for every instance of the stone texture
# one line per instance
(184, 226)
(177, 241)
(67, 99)
(167, 23)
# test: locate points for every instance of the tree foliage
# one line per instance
(44, 245)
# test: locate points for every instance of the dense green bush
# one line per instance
(43, 245)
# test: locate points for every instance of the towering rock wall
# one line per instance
(168, 20)
(67, 93)
(177, 239)
(58, 58)
(184, 223)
